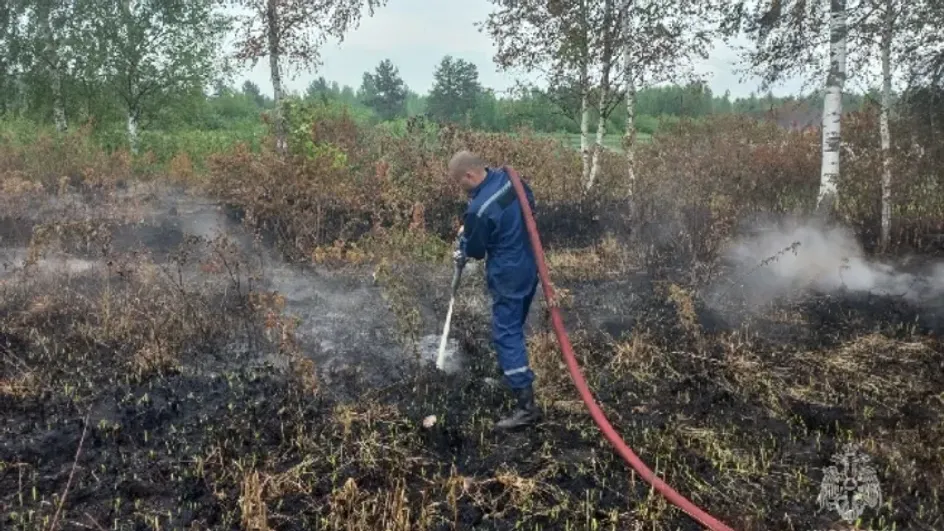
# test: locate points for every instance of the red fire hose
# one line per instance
(677, 499)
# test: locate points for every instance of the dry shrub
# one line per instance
(307, 203)
(180, 168)
(685, 308)
(604, 259)
(253, 511)
(547, 364)
(696, 181)
(550, 168)
(74, 156)
(303, 370)
(359, 510)
(88, 236)
(917, 182)
(700, 181)
(270, 305)
(154, 357)
(640, 356)
(14, 186)
(343, 182)
(20, 386)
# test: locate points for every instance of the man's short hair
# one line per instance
(465, 161)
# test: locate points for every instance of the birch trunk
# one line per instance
(885, 130)
(51, 55)
(133, 131)
(585, 94)
(598, 147)
(832, 107)
(602, 113)
(132, 95)
(272, 22)
(585, 133)
(58, 103)
(629, 141)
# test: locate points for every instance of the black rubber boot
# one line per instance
(526, 411)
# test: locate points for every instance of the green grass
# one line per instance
(197, 144)
(613, 141)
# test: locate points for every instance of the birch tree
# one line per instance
(153, 50)
(890, 15)
(608, 34)
(552, 38)
(581, 43)
(49, 29)
(291, 33)
(832, 106)
(880, 31)
(894, 31)
(10, 51)
(658, 41)
(789, 38)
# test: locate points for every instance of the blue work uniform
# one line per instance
(495, 226)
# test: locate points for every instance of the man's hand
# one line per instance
(458, 255)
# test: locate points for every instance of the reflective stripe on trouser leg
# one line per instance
(508, 318)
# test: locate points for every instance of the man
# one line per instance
(494, 226)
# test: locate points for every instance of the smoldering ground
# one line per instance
(183, 448)
(789, 260)
(342, 320)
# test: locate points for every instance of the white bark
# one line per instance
(58, 104)
(598, 147)
(887, 35)
(272, 22)
(585, 133)
(132, 101)
(51, 55)
(602, 113)
(832, 106)
(133, 131)
(629, 141)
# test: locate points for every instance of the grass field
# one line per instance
(611, 142)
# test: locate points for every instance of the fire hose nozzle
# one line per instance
(457, 275)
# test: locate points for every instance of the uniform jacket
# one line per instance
(495, 228)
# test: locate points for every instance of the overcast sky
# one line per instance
(416, 34)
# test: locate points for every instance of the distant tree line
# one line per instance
(457, 96)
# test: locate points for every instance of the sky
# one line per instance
(416, 34)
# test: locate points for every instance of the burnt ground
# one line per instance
(203, 411)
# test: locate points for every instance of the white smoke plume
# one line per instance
(796, 258)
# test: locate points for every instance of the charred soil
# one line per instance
(171, 374)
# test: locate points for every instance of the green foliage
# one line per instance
(153, 53)
(384, 91)
(20, 131)
(301, 116)
(456, 91)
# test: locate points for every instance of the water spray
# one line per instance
(441, 354)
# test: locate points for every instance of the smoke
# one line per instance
(801, 257)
